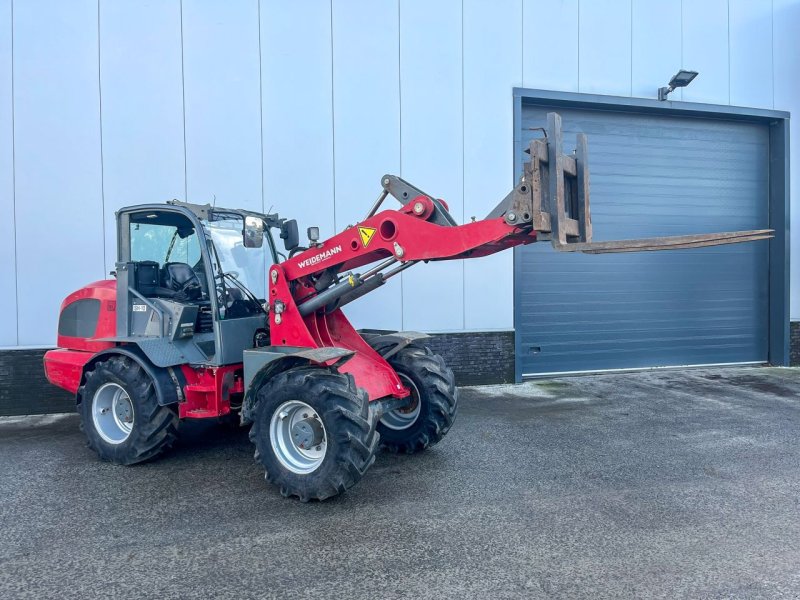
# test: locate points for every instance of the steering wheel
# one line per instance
(224, 292)
(190, 290)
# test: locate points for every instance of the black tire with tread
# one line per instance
(438, 397)
(155, 427)
(349, 424)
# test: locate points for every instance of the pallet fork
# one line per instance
(553, 196)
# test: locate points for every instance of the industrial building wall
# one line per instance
(302, 106)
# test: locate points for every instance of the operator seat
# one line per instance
(179, 281)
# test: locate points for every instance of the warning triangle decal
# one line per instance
(366, 235)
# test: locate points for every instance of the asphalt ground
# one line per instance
(674, 484)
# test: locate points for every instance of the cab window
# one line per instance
(164, 243)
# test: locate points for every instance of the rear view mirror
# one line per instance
(253, 232)
(290, 235)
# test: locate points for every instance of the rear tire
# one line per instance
(431, 415)
(333, 412)
(120, 414)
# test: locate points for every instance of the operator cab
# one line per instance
(192, 280)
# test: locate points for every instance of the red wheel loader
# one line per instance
(205, 317)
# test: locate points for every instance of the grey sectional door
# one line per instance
(652, 175)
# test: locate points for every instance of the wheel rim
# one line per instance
(288, 447)
(403, 418)
(112, 413)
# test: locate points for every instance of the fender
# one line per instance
(168, 382)
(261, 364)
(388, 343)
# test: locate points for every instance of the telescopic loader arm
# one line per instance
(551, 202)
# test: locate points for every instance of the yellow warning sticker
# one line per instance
(366, 235)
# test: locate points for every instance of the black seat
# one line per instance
(180, 282)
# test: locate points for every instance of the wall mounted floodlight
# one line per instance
(681, 79)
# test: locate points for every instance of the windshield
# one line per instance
(248, 266)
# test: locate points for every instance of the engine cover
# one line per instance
(88, 315)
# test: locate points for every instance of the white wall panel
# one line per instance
(751, 53)
(59, 210)
(142, 106)
(432, 150)
(550, 42)
(298, 106)
(787, 97)
(297, 111)
(366, 114)
(705, 50)
(656, 46)
(605, 47)
(492, 68)
(223, 102)
(8, 281)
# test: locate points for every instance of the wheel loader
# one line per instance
(206, 317)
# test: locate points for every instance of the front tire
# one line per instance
(434, 402)
(314, 432)
(120, 414)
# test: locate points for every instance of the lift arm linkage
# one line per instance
(551, 202)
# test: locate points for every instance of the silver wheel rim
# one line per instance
(288, 452)
(112, 413)
(403, 418)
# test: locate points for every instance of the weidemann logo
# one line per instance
(312, 260)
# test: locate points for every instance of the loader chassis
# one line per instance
(205, 318)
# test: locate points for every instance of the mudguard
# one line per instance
(168, 386)
(387, 343)
(260, 364)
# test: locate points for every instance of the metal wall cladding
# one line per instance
(652, 176)
(302, 106)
